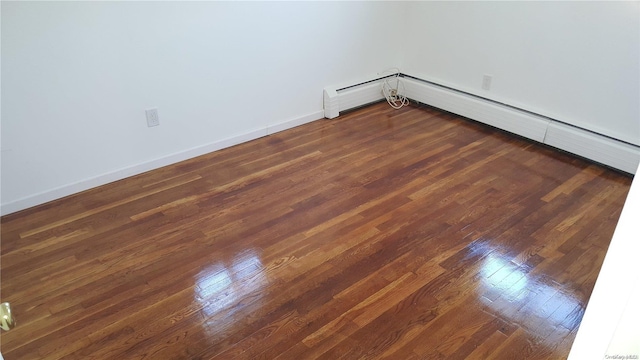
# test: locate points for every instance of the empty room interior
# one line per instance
(331, 180)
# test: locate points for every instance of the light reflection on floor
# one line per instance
(221, 285)
(532, 301)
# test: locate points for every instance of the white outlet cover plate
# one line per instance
(152, 117)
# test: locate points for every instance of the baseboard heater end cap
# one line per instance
(331, 103)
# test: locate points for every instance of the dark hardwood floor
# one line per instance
(391, 234)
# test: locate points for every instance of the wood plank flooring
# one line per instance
(386, 234)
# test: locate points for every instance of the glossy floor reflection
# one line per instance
(409, 234)
(529, 300)
(220, 288)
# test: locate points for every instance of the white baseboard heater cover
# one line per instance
(485, 111)
(608, 151)
(592, 146)
(344, 97)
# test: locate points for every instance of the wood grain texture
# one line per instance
(383, 234)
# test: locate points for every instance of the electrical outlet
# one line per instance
(152, 117)
(486, 81)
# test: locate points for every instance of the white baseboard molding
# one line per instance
(291, 123)
(86, 184)
(605, 150)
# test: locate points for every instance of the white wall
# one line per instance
(577, 62)
(77, 77)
